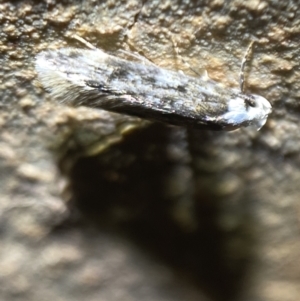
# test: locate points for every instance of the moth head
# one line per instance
(248, 110)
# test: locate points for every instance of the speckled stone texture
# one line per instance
(100, 206)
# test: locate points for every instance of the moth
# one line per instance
(94, 78)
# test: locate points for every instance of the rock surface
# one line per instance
(98, 206)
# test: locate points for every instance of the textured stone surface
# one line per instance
(166, 213)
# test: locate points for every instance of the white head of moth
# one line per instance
(251, 107)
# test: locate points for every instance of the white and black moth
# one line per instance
(96, 79)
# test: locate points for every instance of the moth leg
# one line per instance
(83, 41)
(137, 56)
(182, 59)
(243, 64)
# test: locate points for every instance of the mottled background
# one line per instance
(100, 206)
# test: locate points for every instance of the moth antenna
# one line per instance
(243, 64)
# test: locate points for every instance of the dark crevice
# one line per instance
(123, 190)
